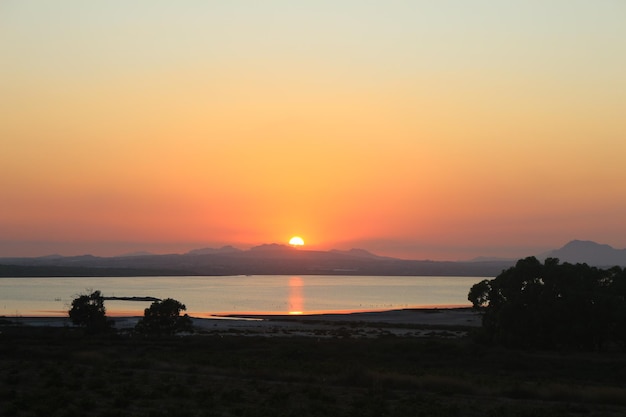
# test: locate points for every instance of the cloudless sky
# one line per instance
(419, 129)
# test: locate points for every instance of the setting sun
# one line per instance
(296, 241)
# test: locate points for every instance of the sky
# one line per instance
(426, 129)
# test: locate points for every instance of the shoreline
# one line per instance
(438, 315)
(442, 322)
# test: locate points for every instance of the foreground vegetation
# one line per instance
(552, 305)
(66, 372)
(163, 317)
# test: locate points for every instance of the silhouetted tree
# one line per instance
(163, 318)
(552, 304)
(88, 311)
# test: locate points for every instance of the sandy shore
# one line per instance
(422, 316)
(409, 322)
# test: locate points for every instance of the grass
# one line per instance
(62, 372)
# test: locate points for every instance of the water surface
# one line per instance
(205, 296)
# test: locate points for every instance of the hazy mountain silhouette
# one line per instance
(491, 259)
(206, 251)
(271, 247)
(267, 259)
(278, 259)
(359, 253)
(591, 253)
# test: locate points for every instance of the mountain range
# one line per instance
(276, 259)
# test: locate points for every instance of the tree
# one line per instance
(479, 294)
(163, 318)
(550, 305)
(89, 311)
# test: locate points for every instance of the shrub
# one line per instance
(163, 318)
(89, 311)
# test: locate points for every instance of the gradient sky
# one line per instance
(418, 129)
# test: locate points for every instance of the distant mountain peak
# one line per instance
(271, 247)
(586, 245)
(589, 252)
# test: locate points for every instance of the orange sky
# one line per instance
(437, 130)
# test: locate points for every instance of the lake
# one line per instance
(209, 295)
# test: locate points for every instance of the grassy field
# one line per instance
(61, 372)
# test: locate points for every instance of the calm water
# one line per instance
(205, 296)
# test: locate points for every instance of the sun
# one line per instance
(296, 241)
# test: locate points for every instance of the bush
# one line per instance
(163, 318)
(89, 311)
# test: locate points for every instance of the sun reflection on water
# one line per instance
(296, 299)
